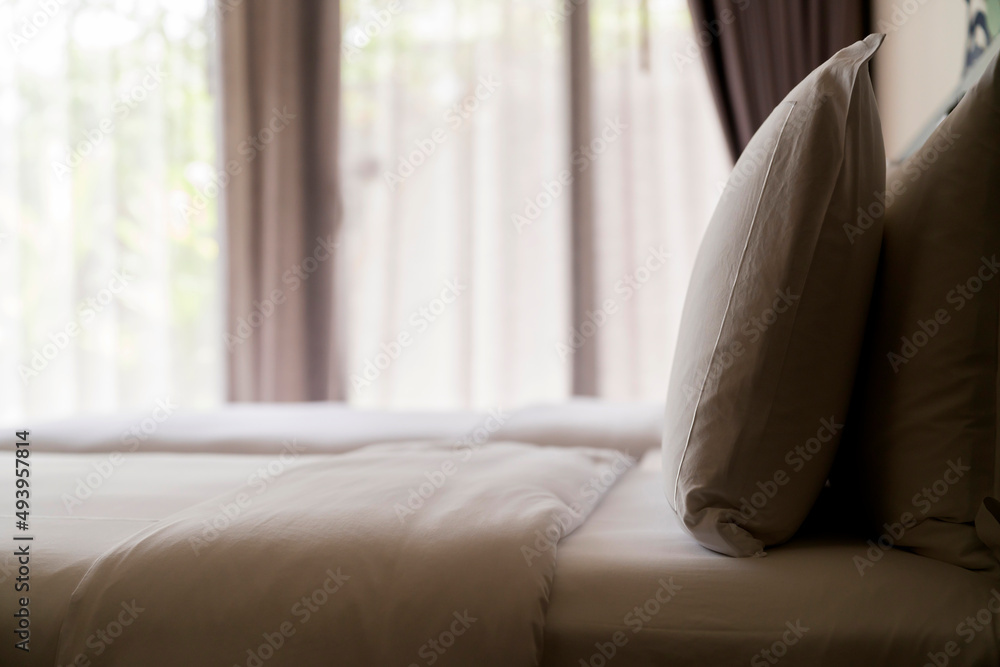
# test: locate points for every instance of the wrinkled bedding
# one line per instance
(630, 553)
(389, 555)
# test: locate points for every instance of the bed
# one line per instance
(630, 587)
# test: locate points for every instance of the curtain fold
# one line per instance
(551, 161)
(756, 52)
(456, 222)
(524, 188)
(280, 101)
(584, 378)
(659, 164)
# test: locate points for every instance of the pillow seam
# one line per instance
(732, 290)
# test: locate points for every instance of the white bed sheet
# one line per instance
(721, 611)
(727, 611)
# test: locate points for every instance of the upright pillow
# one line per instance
(922, 438)
(774, 316)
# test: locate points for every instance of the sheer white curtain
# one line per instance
(109, 285)
(454, 115)
(457, 169)
(655, 187)
(482, 197)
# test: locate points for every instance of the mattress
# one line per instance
(804, 603)
(630, 586)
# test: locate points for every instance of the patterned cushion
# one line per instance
(984, 24)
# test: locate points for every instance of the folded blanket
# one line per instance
(390, 555)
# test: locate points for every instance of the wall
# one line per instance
(918, 67)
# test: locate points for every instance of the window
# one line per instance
(456, 259)
(109, 251)
(456, 227)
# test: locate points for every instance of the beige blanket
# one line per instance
(389, 555)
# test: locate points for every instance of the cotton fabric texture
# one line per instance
(921, 445)
(775, 314)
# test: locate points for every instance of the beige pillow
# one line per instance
(922, 436)
(774, 316)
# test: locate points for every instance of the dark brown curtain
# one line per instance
(582, 230)
(755, 52)
(280, 92)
